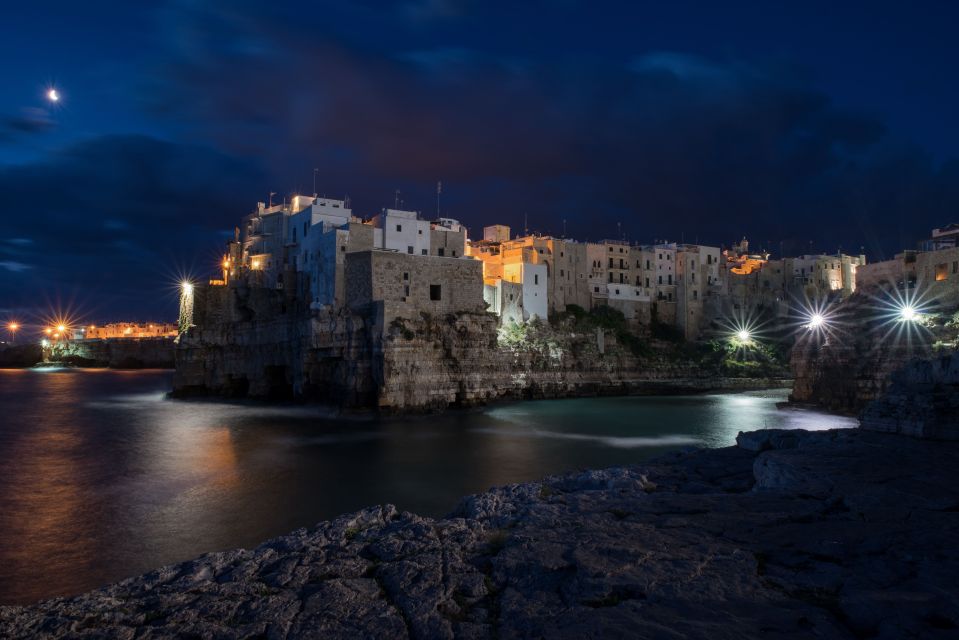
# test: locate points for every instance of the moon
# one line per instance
(53, 95)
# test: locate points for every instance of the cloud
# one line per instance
(16, 267)
(120, 216)
(29, 121)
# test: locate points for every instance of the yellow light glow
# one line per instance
(256, 264)
(187, 286)
(13, 326)
(48, 331)
(61, 328)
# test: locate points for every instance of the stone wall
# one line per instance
(411, 285)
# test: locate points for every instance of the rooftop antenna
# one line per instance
(315, 171)
(564, 227)
(272, 193)
(525, 224)
(619, 230)
(396, 199)
(439, 190)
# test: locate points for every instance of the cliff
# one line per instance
(922, 400)
(260, 343)
(839, 534)
(865, 345)
(116, 353)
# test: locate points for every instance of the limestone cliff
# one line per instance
(258, 342)
(116, 353)
(922, 401)
(854, 364)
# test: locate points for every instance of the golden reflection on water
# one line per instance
(44, 508)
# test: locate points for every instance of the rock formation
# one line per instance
(853, 365)
(838, 534)
(116, 353)
(922, 401)
(259, 343)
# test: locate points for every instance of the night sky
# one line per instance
(805, 126)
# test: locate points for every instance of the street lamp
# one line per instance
(13, 327)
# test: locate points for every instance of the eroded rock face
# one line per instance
(262, 343)
(840, 534)
(922, 401)
(854, 366)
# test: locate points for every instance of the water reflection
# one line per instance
(105, 478)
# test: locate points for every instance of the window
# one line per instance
(610, 249)
(647, 282)
(695, 295)
(424, 252)
(399, 228)
(595, 289)
(406, 290)
(660, 279)
(620, 249)
(440, 251)
(343, 248)
(942, 271)
(647, 264)
(670, 279)
(955, 267)
(409, 250)
(406, 276)
(610, 276)
(454, 253)
(535, 278)
(617, 292)
(436, 292)
(562, 273)
(560, 254)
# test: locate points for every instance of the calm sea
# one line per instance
(102, 477)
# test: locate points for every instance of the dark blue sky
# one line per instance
(806, 124)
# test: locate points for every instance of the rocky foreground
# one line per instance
(789, 534)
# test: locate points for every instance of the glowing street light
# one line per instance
(744, 335)
(816, 321)
(908, 313)
(12, 328)
(187, 287)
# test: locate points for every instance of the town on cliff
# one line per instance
(401, 313)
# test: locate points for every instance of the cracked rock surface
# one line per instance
(832, 534)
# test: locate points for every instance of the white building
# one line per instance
(533, 279)
(403, 231)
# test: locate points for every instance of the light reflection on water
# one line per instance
(104, 478)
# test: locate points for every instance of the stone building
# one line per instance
(407, 285)
(928, 275)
